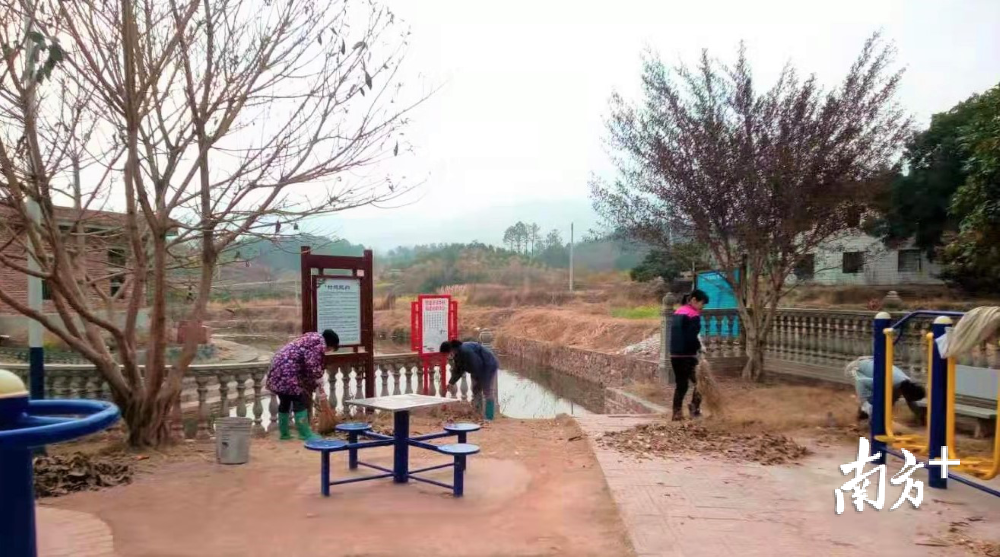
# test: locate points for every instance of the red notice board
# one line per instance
(433, 320)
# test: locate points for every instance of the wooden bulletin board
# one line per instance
(338, 292)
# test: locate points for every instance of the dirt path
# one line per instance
(536, 490)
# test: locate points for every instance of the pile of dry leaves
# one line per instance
(667, 439)
(63, 474)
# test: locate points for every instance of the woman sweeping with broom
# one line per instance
(684, 349)
(296, 371)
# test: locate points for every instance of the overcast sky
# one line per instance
(515, 130)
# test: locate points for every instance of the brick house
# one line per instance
(104, 255)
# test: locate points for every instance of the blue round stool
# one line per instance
(353, 430)
(462, 429)
(325, 447)
(24, 425)
(325, 444)
(459, 451)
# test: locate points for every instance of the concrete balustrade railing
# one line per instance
(813, 343)
(211, 390)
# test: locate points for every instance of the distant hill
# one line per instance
(283, 253)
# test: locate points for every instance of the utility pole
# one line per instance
(571, 257)
(36, 352)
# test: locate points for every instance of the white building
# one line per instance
(860, 259)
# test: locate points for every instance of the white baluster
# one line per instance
(224, 380)
(257, 376)
(350, 389)
(51, 390)
(396, 372)
(75, 383)
(463, 388)
(203, 410)
(331, 380)
(177, 420)
(385, 380)
(272, 410)
(241, 394)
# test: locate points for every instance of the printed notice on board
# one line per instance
(338, 307)
(434, 314)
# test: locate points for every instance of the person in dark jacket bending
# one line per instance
(684, 348)
(476, 360)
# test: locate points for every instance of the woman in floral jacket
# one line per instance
(296, 371)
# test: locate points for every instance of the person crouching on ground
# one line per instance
(902, 386)
(296, 371)
(684, 349)
(476, 360)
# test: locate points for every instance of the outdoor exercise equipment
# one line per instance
(940, 406)
(401, 441)
(24, 425)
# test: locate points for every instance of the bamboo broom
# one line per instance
(707, 386)
(326, 418)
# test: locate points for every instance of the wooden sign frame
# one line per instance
(360, 356)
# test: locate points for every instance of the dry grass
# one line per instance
(578, 325)
(494, 295)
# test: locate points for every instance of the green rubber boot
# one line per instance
(302, 425)
(285, 426)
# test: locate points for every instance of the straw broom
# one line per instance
(326, 418)
(707, 386)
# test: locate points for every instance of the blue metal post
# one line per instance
(401, 451)
(938, 408)
(352, 453)
(876, 421)
(17, 510)
(459, 487)
(36, 372)
(324, 473)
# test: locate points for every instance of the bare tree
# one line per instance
(203, 122)
(535, 236)
(760, 177)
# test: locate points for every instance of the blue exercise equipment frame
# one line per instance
(939, 389)
(24, 426)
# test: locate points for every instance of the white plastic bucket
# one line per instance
(232, 440)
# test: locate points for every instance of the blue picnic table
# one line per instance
(400, 440)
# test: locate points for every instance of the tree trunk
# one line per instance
(756, 337)
(754, 368)
(148, 423)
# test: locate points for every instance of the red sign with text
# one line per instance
(433, 321)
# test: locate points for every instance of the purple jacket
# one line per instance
(298, 367)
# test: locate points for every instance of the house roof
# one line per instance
(70, 215)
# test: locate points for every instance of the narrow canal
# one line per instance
(525, 392)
